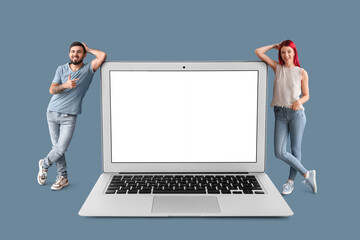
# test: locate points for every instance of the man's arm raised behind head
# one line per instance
(100, 57)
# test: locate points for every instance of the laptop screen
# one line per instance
(183, 116)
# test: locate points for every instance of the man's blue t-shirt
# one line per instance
(70, 100)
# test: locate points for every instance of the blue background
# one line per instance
(35, 37)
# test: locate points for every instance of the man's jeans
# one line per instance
(289, 122)
(61, 128)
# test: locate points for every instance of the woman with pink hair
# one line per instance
(291, 91)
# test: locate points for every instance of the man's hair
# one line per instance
(77, 44)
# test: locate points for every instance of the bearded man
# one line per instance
(70, 84)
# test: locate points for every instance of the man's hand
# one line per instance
(86, 47)
(59, 88)
(70, 83)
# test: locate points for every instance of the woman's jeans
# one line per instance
(289, 122)
(61, 128)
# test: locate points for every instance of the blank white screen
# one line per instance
(188, 116)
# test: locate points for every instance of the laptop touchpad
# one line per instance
(185, 204)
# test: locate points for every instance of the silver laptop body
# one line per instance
(181, 119)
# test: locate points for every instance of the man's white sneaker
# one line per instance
(288, 188)
(42, 174)
(60, 183)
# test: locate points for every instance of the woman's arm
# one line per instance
(305, 92)
(260, 52)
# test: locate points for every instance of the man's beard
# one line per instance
(76, 62)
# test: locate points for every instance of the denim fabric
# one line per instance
(289, 123)
(61, 128)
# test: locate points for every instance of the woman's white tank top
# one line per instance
(287, 86)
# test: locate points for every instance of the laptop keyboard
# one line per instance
(184, 184)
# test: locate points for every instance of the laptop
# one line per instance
(184, 139)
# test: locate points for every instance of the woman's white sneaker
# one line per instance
(288, 188)
(311, 180)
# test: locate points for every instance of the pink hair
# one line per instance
(289, 43)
